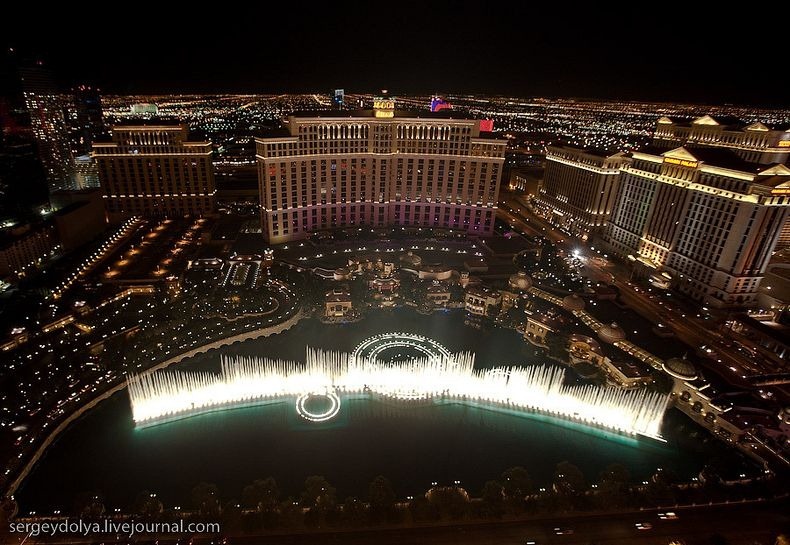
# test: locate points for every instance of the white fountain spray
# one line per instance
(164, 395)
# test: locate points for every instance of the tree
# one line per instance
(291, 515)
(493, 499)
(148, 505)
(231, 516)
(90, 505)
(558, 346)
(262, 495)
(569, 480)
(614, 487)
(422, 510)
(318, 497)
(660, 490)
(205, 498)
(354, 512)
(516, 484)
(451, 502)
(382, 498)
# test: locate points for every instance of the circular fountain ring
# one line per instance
(371, 347)
(331, 412)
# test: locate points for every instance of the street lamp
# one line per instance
(632, 259)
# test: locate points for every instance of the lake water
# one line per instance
(413, 446)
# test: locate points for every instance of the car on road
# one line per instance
(669, 515)
(643, 526)
(563, 531)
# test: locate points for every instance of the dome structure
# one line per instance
(520, 281)
(411, 260)
(611, 333)
(680, 368)
(572, 302)
(342, 273)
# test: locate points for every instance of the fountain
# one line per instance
(165, 395)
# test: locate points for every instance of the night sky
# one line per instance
(644, 51)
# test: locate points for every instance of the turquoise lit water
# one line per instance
(413, 446)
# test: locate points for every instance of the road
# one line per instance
(733, 367)
(693, 526)
(737, 523)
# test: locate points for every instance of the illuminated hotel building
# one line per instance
(378, 169)
(579, 187)
(155, 171)
(704, 220)
(47, 109)
(755, 143)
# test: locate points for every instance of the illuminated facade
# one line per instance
(755, 143)
(154, 171)
(378, 170)
(784, 237)
(47, 109)
(579, 187)
(25, 249)
(88, 122)
(705, 219)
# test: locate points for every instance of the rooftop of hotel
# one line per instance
(719, 157)
(370, 113)
(727, 123)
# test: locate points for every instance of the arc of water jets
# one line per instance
(541, 388)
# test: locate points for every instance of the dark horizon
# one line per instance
(517, 51)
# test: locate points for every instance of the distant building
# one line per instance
(155, 171)
(22, 178)
(525, 180)
(338, 97)
(763, 335)
(625, 373)
(438, 294)
(145, 109)
(538, 325)
(705, 218)
(438, 104)
(337, 304)
(784, 236)
(47, 108)
(385, 169)
(755, 143)
(480, 300)
(579, 188)
(775, 285)
(697, 399)
(89, 122)
(86, 172)
(81, 220)
(23, 248)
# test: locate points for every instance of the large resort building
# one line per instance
(706, 220)
(702, 218)
(755, 143)
(377, 169)
(154, 171)
(580, 188)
